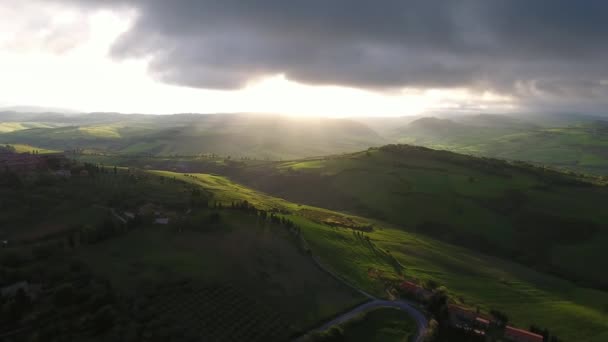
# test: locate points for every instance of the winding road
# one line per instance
(374, 303)
(421, 321)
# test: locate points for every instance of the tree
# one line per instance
(438, 304)
(501, 317)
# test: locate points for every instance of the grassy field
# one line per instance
(529, 297)
(21, 148)
(384, 324)
(538, 217)
(6, 127)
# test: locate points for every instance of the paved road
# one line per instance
(421, 321)
(374, 303)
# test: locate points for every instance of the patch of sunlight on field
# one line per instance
(6, 127)
(312, 164)
(101, 131)
(22, 148)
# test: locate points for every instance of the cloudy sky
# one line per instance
(315, 57)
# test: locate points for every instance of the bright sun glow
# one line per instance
(85, 78)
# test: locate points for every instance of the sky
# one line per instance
(315, 57)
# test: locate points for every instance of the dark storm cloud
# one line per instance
(520, 47)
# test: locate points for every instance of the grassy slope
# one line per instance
(487, 206)
(6, 127)
(529, 297)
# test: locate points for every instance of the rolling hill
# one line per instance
(581, 146)
(572, 142)
(354, 247)
(236, 135)
(542, 218)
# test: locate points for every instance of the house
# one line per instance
(161, 220)
(520, 335)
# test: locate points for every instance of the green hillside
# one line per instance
(552, 221)
(528, 296)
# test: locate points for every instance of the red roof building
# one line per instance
(409, 286)
(482, 322)
(520, 335)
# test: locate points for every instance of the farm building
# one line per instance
(520, 335)
(463, 317)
